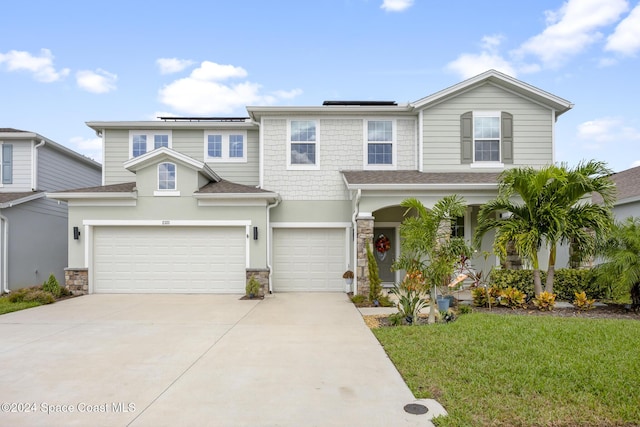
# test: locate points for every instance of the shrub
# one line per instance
(52, 286)
(464, 309)
(358, 299)
(410, 302)
(18, 295)
(513, 298)
(480, 298)
(521, 280)
(384, 301)
(375, 284)
(545, 301)
(37, 295)
(396, 319)
(582, 303)
(252, 287)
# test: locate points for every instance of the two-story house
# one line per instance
(33, 229)
(293, 194)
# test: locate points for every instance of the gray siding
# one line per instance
(116, 152)
(532, 128)
(622, 212)
(186, 141)
(57, 171)
(37, 242)
(21, 167)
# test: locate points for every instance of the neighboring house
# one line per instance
(33, 229)
(293, 194)
(627, 194)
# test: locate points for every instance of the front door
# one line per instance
(384, 249)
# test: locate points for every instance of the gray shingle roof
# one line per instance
(11, 197)
(627, 184)
(415, 177)
(224, 186)
(12, 130)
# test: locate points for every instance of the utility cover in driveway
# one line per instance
(169, 259)
(309, 259)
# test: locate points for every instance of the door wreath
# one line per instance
(383, 245)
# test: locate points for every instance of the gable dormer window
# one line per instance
(141, 142)
(225, 146)
(486, 138)
(166, 176)
(302, 144)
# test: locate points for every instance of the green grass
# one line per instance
(503, 370)
(7, 307)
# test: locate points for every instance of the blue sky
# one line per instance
(67, 62)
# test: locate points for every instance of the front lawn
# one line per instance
(503, 370)
(7, 306)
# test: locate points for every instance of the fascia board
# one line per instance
(69, 196)
(410, 187)
(22, 200)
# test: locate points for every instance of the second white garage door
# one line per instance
(310, 259)
(169, 259)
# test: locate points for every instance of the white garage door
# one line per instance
(310, 259)
(169, 259)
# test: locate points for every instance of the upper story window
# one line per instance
(143, 141)
(225, 146)
(380, 140)
(303, 144)
(7, 163)
(486, 138)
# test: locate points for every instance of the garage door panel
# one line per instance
(309, 259)
(169, 259)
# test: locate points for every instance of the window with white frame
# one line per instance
(380, 143)
(225, 146)
(303, 144)
(141, 142)
(166, 176)
(486, 136)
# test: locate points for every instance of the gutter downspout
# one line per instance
(355, 240)
(269, 207)
(34, 175)
(5, 255)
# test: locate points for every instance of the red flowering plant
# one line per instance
(382, 244)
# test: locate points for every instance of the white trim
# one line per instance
(166, 193)
(310, 224)
(103, 169)
(553, 136)
(481, 164)
(412, 187)
(166, 223)
(230, 202)
(149, 134)
(106, 195)
(421, 141)
(261, 159)
(486, 165)
(25, 199)
(102, 202)
(213, 196)
(296, 166)
(393, 142)
(225, 158)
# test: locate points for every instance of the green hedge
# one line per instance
(566, 282)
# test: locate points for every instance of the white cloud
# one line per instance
(396, 5)
(172, 65)
(470, 64)
(41, 66)
(202, 93)
(571, 29)
(626, 37)
(635, 164)
(597, 133)
(91, 147)
(99, 81)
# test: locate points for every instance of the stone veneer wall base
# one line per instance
(76, 280)
(262, 276)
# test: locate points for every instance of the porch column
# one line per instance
(364, 236)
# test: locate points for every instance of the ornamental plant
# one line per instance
(375, 284)
(485, 297)
(583, 303)
(546, 301)
(513, 298)
(52, 286)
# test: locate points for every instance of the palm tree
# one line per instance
(427, 245)
(622, 255)
(552, 208)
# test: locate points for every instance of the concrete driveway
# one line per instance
(198, 360)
